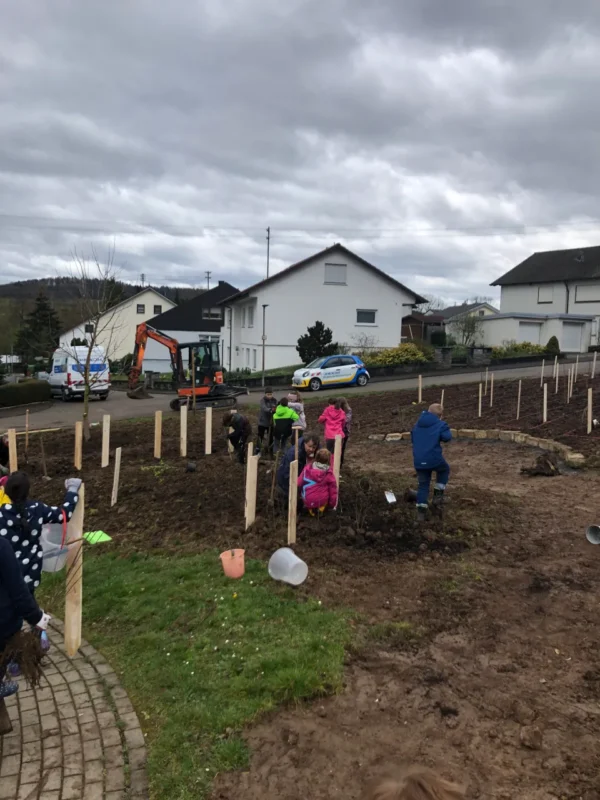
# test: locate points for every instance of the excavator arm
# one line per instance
(142, 334)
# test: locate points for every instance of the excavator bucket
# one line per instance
(139, 393)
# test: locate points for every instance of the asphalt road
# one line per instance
(119, 406)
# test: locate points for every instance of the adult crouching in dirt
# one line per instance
(240, 433)
(307, 447)
(427, 437)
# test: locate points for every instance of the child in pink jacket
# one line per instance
(334, 420)
(318, 486)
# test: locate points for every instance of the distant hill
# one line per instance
(16, 300)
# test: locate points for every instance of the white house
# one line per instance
(116, 328)
(452, 316)
(198, 318)
(557, 291)
(335, 286)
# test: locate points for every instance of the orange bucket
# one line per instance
(233, 563)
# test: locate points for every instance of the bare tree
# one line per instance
(466, 329)
(432, 305)
(363, 343)
(99, 293)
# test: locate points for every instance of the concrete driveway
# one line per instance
(119, 406)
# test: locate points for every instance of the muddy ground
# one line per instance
(477, 637)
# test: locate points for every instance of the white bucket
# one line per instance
(55, 556)
(592, 534)
(284, 565)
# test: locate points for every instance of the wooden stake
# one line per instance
(572, 382)
(40, 430)
(293, 502)
(251, 481)
(479, 406)
(78, 445)
(157, 434)
(13, 461)
(492, 390)
(43, 457)
(542, 375)
(296, 444)
(442, 398)
(519, 401)
(420, 397)
(26, 432)
(337, 459)
(105, 440)
(589, 411)
(487, 372)
(568, 384)
(74, 594)
(115, 491)
(556, 379)
(545, 404)
(183, 431)
(555, 369)
(208, 431)
(594, 364)
(576, 368)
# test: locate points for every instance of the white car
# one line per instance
(331, 371)
(66, 379)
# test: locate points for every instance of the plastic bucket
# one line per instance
(592, 534)
(233, 563)
(54, 554)
(284, 565)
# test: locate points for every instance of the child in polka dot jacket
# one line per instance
(21, 521)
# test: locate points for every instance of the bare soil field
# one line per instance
(477, 637)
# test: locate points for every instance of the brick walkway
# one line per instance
(77, 737)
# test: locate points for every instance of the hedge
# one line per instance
(28, 391)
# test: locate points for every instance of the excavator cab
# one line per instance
(203, 363)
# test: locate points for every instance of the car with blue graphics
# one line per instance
(337, 370)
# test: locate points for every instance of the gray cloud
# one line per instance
(443, 141)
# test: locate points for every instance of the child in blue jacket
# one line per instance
(427, 437)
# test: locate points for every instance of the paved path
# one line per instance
(119, 406)
(75, 738)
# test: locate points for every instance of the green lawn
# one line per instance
(201, 655)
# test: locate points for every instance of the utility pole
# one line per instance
(268, 249)
(208, 274)
(264, 340)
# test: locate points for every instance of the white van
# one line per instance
(66, 377)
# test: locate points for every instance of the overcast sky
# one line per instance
(443, 140)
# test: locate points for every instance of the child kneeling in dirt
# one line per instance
(415, 784)
(240, 433)
(318, 486)
(427, 437)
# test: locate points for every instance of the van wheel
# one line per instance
(65, 395)
(314, 385)
(103, 396)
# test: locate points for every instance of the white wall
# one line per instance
(158, 359)
(551, 298)
(498, 331)
(118, 325)
(302, 298)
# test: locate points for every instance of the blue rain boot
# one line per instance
(8, 688)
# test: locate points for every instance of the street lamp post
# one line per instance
(264, 339)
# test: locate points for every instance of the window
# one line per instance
(254, 359)
(158, 309)
(365, 316)
(335, 274)
(587, 294)
(251, 316)
(140, 308)
(211, 313)
(545, 294)
(243, 317)
(333, 362)
(347, 361)
(247, 356)
(482, 313)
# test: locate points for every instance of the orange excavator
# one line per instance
(201, 379)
